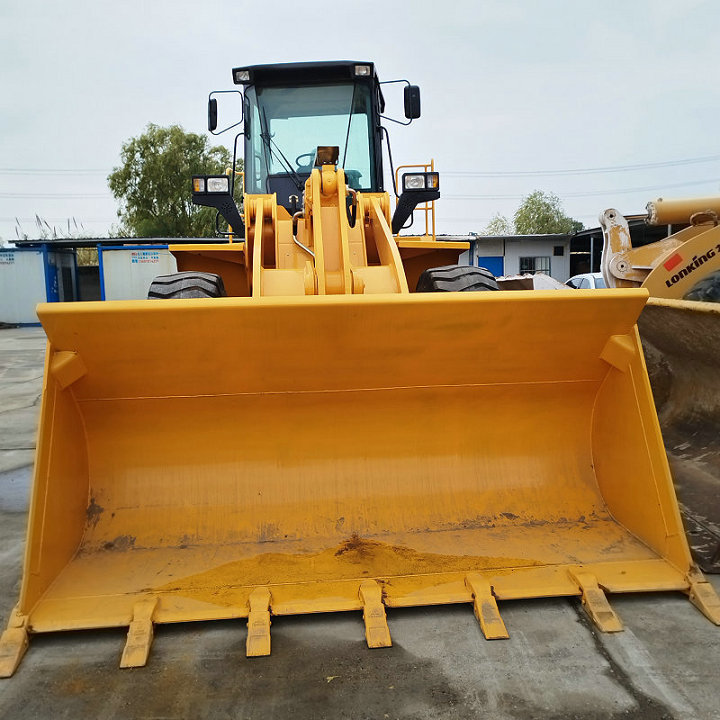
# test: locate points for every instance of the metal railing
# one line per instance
(427, 208)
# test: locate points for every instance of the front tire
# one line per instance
(186, 285)
(456, 278)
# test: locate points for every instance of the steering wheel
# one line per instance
(300, 163)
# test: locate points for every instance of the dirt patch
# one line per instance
(93, 512)
(120, 543)
(355, 558)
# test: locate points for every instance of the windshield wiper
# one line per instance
(347, 134)
(266, 137)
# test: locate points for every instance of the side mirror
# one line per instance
(212, 114)
(412, 102)
(213, 110)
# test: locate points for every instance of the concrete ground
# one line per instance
(555, 665)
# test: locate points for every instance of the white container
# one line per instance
(126, 271)
(29, 276)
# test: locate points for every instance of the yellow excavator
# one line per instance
(321, 414)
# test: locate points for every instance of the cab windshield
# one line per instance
(285, 125)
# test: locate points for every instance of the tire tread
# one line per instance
(456, 278)
(183, 285)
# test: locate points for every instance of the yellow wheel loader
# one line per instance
(680, 331)
(288, 427)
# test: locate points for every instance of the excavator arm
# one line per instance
(324, 249)
(673, 267)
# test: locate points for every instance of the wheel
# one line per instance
(707, 289)
(186, 285)
(456, 278)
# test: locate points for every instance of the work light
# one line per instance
(420, 181)
(218, 184)
(326, 155)
(241, 76)
(211, 184)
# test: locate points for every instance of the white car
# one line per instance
(587, 281)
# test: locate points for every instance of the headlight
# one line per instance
(421, 181)
(205, 184)
(218, 184)
(414, 182)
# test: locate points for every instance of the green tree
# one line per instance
(542, 212)
(499, 225)
(153, 183)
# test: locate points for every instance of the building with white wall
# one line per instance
(126, 271)
(46, 270)
(29, 276)
(519, 254)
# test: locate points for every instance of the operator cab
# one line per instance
(289, 111)
(293, 108)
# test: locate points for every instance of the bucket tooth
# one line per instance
(703, 596)
(67, 367)
(377, 632)
(13, 644)
(258, 639)
(485, 607)
(140, 634)
(596, 604)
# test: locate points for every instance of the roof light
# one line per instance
(363, 70)
(240, 76)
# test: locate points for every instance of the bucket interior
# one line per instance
(237, 443)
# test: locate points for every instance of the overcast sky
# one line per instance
(517, 95)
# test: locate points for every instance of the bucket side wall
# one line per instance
(631, 464)
(59, 507)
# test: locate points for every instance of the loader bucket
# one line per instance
(235, 457)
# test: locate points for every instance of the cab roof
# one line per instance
(304, 72)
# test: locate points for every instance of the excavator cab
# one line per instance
(290, 110)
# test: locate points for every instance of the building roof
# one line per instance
(478, 237)
(94, 242)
